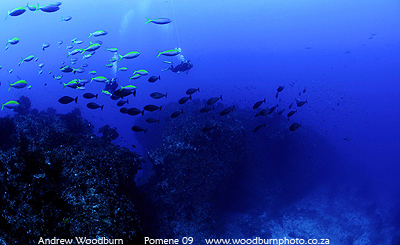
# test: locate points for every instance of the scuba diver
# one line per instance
(111, 85)
(184, 66)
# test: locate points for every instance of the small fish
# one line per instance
(84, 65)
(113, 50)
(113, 59)
(128, 87)
(124, 92)
(183, 100)
(72, 84)
(138, 129)
(213, 100)
(57, 77)
(141, 72)
(98, 33)
(45, 45)
(49, 8)
(41, 65)
(31, 7)
(10, 71)
(276, 95)
(192, 91)
(12, 41)
(79, 70)
(258, 103)
(16, 12)
(92, 47)
(258, 127)
(136, 76)
(208, 128)
(294, 126)
(280, 88)
(18, 84)
(272, 109)
(135, 111)
(84, 80)
(12, 104)
(123, 110)
(122, 102)
(40, 72)
(281, 111)
(153, 79)
(152, 108)
(159, 21)
(175, 114)
(92, 72)
(167, 62)
(106, 92)
(27, 59)
(170, 52)
(123, 69)
(109, 65)
(129, 55)
(67, 18)
(69, 47)
(60, 42)
(290, 106)
(304, 90)
(90, 96)
(74, 52)
(226, 111)
(157, 95)
(93, 105)
(152, 120)
(291, 113)
(206, 109)
(99, 79)
(66, 100)
(300, 103)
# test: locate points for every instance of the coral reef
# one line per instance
(58, 179)
(109, 134)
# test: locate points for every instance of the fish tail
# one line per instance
(62, 18)
(142, 112)
(159, 53)
(64, 85)
(6, 19)
(90, 34)
(134, 95)
(160, 108)
(38, 7)
(145, 130)
(159, 77)
(76, 99)
(148, 20)
(120, 57)
(165, 95)
(2, 107)
(127, 101)
(96, 95)
(9, 86)
(190, 97)
(220, 97)
(102, 107)
(74, 70)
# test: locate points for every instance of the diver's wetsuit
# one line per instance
(184, 66)
(111, 85)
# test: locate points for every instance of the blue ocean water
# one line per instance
(344, 54)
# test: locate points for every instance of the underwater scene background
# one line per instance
(200, 120)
